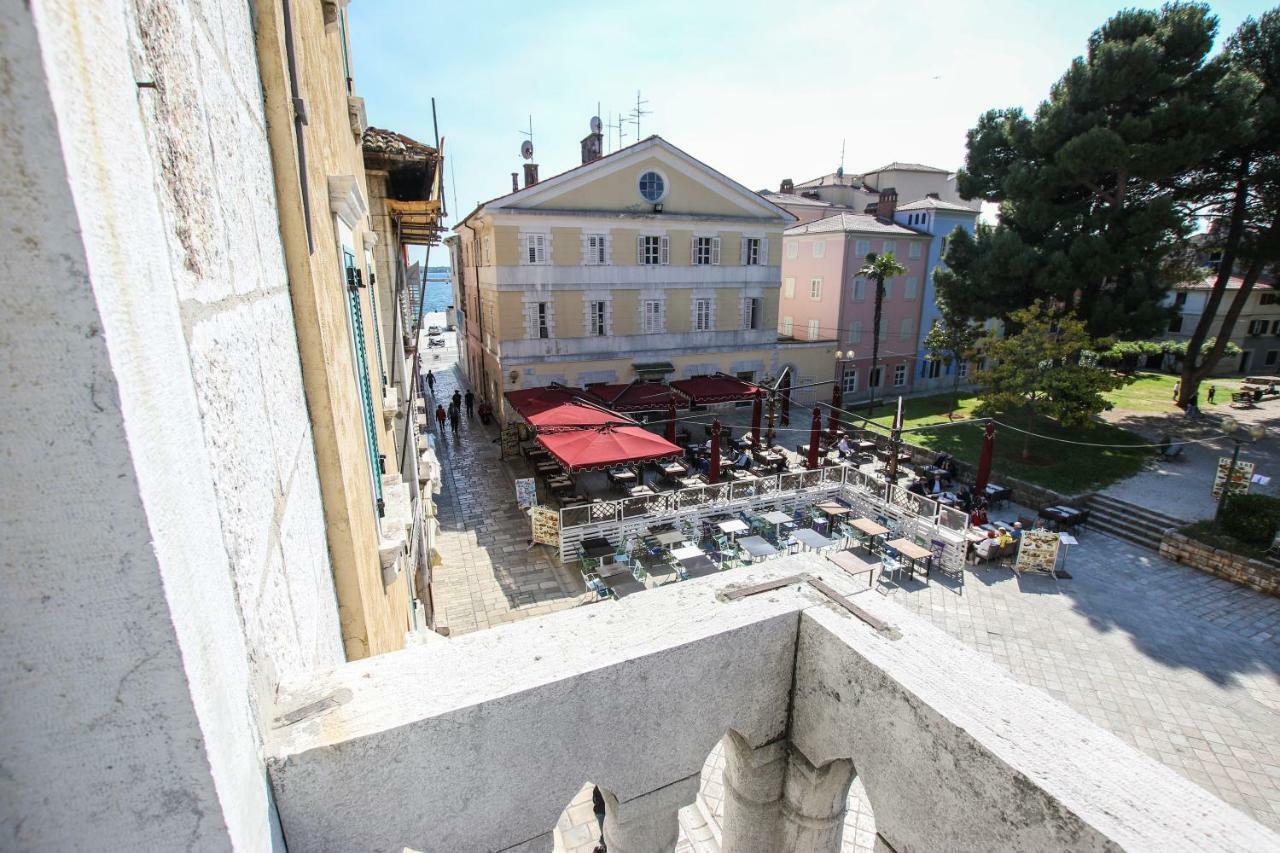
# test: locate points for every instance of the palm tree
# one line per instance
(878, 268)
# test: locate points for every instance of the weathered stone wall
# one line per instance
(1254, 574)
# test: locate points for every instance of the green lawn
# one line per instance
(1062, 467)
(1153, 392)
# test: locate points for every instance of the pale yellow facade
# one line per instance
(374, 612)
(556, 288)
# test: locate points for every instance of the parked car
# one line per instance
(434, 331)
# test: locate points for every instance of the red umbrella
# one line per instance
(715, 451)
(671, 422)
(606, 446)
(815, 435)
(755, 423)
(575, 415)
(984, 461)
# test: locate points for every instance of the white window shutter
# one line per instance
(693, 251)
(666, 251)
(640, 250)
(742, 251)
(763, 259)
(746, 313)
(715, 251)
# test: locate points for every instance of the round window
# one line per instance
(652, 187)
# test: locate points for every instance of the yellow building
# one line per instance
(315, 125)
(646, 263)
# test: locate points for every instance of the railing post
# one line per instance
(649, 823)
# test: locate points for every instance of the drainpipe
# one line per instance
(299, 121)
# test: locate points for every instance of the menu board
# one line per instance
(546, 526)
(1240, 478)
(1038, 551)
(510, 441)
(526, 492)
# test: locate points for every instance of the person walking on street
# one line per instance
(597, 806)
(470, 399)
(454, 418)
(457, 398)
(1177, 386)
(440, 417)
(1213, 389)
(431, 382)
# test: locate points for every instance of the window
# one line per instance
(813, 330)
(904, 330)
(752, 251)
(1180, 299)
(752, 312)
(356, 317)
(535, 248)
(932, 368)
(702, 315)
(1175, 325)
(596, 251)
(819, 248)
(793, 250)
(1275, 328)
(1264, 299)
(849, 381)
(789, 287)
(653, 250)
(815, 289)
(962, 369)
(859, 289)
(914, 251)
(1270, 360)
(653, 187)
(874, 380)
(912, 283)
(1257, 327)
(861, 249)
(787, 325)
(899, 375)
(539, 320)
(705, 251)
(651, 316)
(488, 249)
(855, 332)
(889, 246)
(597, 312)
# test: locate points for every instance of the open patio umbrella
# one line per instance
(984, 461)
(720, 388)
(530, 401)
(575, 414)
(815, 435)
(601, 448)
(715, 451)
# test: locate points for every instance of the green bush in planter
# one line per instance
(1251, 518)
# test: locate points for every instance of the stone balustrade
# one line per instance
(478, 743)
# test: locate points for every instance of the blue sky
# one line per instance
(760, 91)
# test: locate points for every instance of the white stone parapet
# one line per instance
(480, 742)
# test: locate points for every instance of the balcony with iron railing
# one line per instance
(480, 743)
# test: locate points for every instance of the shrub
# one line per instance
(1251, 518)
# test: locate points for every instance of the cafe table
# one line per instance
(667, 538)
(833, 510)
(912, 552)
(640, 491)
(733, 526)
(672, 469)
(777, 518)
(622, 584)
(854, 565)
(812, 539)
(698, 566)
(757, 547)
(691, 482)
(597, 546)
(869, 529)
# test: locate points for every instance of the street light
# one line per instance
(843, 358)
(1233, 428)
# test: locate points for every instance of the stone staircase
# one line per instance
(1129, 522)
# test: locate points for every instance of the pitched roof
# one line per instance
(388, 143)
(895, 166)
(1233, 283)
(928, 203)
(848, 179)
(855, 222)
(792, 198)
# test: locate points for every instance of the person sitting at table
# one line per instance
(978, 517)
(781, 465)
(940, 461)
(843, 446)
(950, 470)
(1017, 530)
(703, 464)
(916, 487)
(936, 488)
(1004, 538)
(987, 548)
(743, 461)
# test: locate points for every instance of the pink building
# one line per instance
(823, 298)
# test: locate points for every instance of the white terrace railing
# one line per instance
(480, 742)
(915, 516)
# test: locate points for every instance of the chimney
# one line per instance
(592, 146)
(887, 205)
(515, 182)
(788, 186)
(933, 195)
(530, 174)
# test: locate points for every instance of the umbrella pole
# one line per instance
(715, 451)
(815, 435)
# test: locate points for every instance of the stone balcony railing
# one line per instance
(479, 743)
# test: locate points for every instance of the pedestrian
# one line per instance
(597, 806)
(1213, 389)
(1177, 387)
(1193, 406)
(454, 418)
(470, 400)
(431, 382)
(440, 417)
(457, 398)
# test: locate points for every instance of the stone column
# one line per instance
(814, 803)
(648, 823)
(753, 779)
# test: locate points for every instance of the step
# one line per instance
(1105, 502)
(1142, 525)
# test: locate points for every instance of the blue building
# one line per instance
(940, 219)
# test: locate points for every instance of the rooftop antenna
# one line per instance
(639, 112)
(621, 127)
(526, 147)
(840, 171)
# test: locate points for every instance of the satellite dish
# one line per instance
(595, 124)
(526, 150)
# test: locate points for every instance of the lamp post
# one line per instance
(1252, 433)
